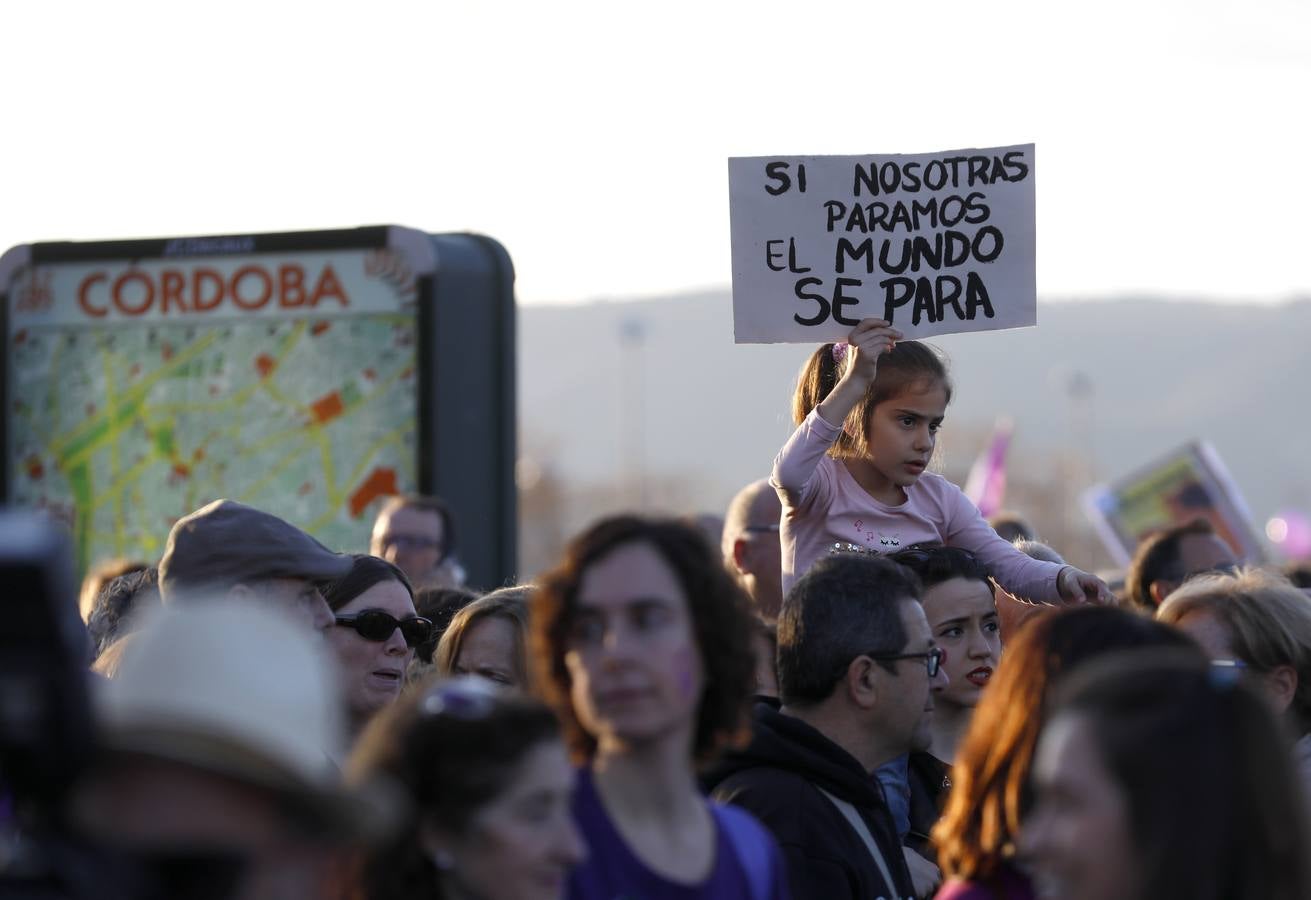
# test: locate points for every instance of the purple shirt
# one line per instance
(1008, 884)
(612, 872)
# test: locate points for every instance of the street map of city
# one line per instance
(305, 409)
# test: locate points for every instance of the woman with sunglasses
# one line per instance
(375, 635)
(642, 642)
(489, 784)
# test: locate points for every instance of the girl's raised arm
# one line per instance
(867, 342)
(818, 428)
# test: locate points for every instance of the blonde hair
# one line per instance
(509, 604)
(1268, 621)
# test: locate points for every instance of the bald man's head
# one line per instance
(751, 548)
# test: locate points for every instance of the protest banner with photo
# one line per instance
(936, 243)
(1190, 483)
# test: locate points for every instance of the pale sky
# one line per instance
(1173, 144)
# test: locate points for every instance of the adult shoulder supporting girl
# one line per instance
(856, 469)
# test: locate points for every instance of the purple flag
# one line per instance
(986, 486)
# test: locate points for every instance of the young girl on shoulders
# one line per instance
(856, 469)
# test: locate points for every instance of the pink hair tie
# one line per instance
(840, 353)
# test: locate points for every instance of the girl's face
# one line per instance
(522, 844)
(1077, 839)
(373, 671)
(635, 669)
(963, 617)
(903, 431)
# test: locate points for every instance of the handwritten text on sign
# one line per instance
(936, 243)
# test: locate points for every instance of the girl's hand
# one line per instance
(1078, 587)
(867, 342)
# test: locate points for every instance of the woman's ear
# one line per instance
(1281, 685)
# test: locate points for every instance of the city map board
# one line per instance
(141, 390)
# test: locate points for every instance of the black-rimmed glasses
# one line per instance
(932, 659)
(376, 625)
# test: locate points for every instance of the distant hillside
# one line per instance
(608, 389)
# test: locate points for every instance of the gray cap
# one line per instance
(227, 543)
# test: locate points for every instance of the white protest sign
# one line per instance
(936, 243)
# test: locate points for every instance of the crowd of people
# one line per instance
(864, 690)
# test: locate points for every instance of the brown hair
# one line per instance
(365, 572)
(1156, 558)
(721, 622)
(439, 606)
(990, 793)
(1268, 621)
(509, 604)
(906, 364)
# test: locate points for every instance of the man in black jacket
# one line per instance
(857, 669)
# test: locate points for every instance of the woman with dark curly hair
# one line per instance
(642, 642)
(375, 635)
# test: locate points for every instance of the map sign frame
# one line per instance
(301, 373)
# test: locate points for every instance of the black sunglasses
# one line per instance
(376, 625)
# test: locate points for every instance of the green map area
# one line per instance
(121, 430)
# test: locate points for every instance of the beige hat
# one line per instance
(225, 543)
(240, 690)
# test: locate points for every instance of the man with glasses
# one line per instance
(1168, 558)
(228, 549)
(415, 533)
(751, 549)
(857, 670)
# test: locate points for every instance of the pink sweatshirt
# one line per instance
(823, 505)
